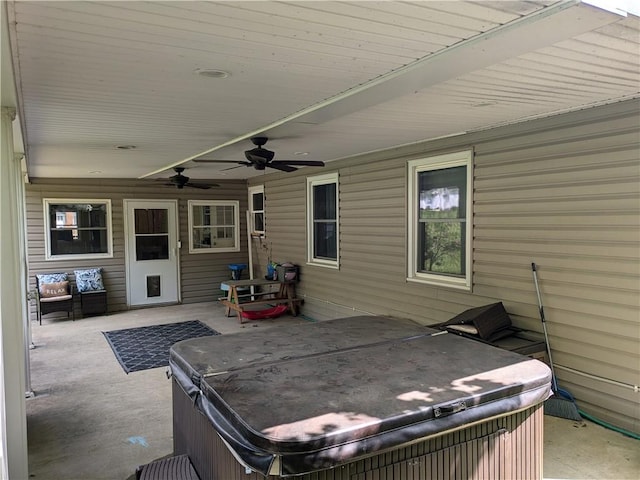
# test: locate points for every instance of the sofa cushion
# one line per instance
(89, 280)
(55, 299)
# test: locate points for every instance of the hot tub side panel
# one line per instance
(503, 448)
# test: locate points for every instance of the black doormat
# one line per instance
(141, 348)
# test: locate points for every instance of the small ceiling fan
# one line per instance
(181, 181)
(260, 158)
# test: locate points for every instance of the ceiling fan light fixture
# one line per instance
(180, 181)
(259, 158)
(259, 154)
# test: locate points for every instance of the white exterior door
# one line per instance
(151, 251)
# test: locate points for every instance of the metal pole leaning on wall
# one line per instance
(250, 249)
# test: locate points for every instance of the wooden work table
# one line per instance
(238, 299)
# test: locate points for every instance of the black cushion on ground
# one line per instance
(491, 321)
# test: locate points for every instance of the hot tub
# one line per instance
(356, 398)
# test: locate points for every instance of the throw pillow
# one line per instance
(51, 277)
(44, 278)
(57, 289)
(89, 280)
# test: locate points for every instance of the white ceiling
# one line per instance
(333, 79)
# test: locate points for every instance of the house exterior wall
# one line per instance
(562, 192)
(200, 274)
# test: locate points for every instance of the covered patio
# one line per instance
(88, 419)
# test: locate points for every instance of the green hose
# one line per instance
(609, 426)
(309, 319)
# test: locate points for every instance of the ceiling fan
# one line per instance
(181, 181)
(260, 158)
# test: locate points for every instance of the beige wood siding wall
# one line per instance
(562, 192)
(566, 196)
(200, 274)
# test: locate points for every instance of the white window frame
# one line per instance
(312, 182)
(415, 167)
(256, 190)
(215, 203)
(46, 202)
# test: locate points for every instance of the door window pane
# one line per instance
(151, 220)
(152, 247)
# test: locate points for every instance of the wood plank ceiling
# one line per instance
(332, 79)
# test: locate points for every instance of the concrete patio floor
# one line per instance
(89, 420)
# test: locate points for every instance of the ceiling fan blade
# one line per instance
(308, 163)
(210, 160)
(202, 186)
(232, 168)
(281, 166)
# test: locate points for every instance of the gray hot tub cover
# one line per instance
(351, 395)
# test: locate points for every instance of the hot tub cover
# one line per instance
(348, 388)
(202, 356)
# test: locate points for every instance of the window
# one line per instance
(439, 221)
(214, 226)
(152, 233)
(256, 209)
(77, 228)
(322, 220)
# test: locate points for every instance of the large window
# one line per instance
(323, 220)
(214, 226)
(77, 228)
(439, 221)
(256, 209)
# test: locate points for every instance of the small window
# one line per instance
(152, 233)
(77, 228)
(439, 221)
(256, 209)
(323, 220)
(214, 226)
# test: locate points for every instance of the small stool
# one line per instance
(93, 302)
(236, 270)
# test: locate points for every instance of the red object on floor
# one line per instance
(272, 312)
